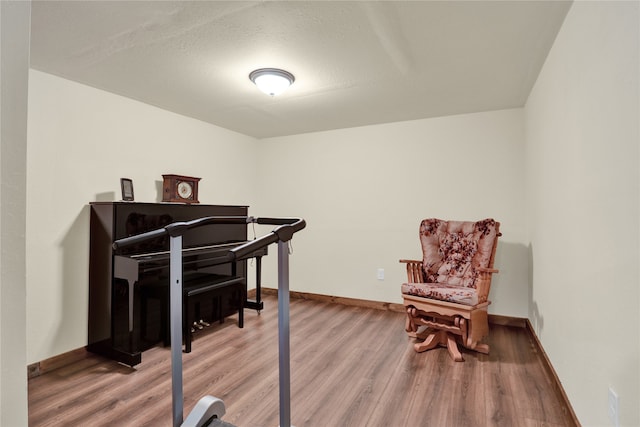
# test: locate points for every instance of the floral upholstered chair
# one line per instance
(447, 291)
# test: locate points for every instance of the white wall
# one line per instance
(364, 191)
(583, 204)
(81, 142)
(14, 66)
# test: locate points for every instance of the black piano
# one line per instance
(128, 287)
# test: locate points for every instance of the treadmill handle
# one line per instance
(282, 233)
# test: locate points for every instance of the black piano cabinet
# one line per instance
(128, 288)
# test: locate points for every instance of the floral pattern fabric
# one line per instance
(452, 251)
(438, 291)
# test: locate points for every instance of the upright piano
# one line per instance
(128, 287)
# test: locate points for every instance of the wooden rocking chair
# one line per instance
(447, 291)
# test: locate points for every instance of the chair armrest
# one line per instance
(414, 270)
(483, 283)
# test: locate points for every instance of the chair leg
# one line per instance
(452, 346)
(410, 325)
(481, 348)
(478, 329)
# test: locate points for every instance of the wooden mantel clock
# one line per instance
(179, 188)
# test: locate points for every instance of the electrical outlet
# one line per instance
(614, 416)
(381, 274)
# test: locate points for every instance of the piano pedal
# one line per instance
(203, 323)
(198, 326)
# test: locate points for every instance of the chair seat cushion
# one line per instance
(442, 292)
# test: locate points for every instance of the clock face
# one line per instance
(179, 188)
(185, 190)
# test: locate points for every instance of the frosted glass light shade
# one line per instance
(272, 81)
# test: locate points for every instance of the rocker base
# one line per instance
(440, 338)
(450, 341)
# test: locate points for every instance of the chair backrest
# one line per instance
(453, 250)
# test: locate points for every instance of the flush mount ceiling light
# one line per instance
(272, 81)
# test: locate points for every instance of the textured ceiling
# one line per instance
(356, 63)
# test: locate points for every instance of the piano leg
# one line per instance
(242, 286)
(257, 305)
(186, 324)
(259, 283)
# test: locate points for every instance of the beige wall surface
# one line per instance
(561, 175)
(14, 66)
(364, 191)
(81, 142)
(583, 208)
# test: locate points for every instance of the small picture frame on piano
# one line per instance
(127, 189)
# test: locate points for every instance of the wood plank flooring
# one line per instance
(350, 366)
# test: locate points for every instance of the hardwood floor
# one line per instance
(350, 366)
